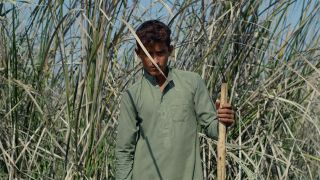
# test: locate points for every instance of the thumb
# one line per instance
(217, 104)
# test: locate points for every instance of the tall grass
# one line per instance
(64, 65)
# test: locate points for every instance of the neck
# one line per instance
(161, 79)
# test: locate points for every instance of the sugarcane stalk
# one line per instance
(221, 168)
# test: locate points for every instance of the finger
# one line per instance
(226, 121)
(217, 104)
(229, 116)
(225, 111)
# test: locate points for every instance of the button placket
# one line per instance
(164, 116)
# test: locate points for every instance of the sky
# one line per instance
(164, 10)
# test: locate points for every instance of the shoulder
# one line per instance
(133, 91)
(187, 76)
(185, 73)
(187, 80)
(134, 88)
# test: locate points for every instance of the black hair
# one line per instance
(153, 31)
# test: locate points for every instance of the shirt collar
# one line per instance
(153, 80)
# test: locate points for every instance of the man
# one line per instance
(157, 131)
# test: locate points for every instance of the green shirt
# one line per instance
(157, 132)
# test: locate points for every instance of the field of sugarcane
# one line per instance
(64, 65)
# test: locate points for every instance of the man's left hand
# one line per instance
(225, 113)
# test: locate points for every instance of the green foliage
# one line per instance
(64, 65)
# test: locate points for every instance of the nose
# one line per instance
(155, 58)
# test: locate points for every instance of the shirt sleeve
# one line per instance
(205, 110)
(126, 139)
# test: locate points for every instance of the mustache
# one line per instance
(153, 66)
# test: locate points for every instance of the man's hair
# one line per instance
(153, 31)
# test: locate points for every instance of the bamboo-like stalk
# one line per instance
(221, 168)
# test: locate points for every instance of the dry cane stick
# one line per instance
(221, 168)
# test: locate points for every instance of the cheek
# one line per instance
(145, 61)
(163, 60)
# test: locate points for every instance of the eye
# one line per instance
(145, 55)
(160, 53)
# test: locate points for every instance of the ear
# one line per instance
(170, 49)
(137, 50)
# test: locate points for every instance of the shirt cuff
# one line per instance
(212, 129)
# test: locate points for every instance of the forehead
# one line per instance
(156, 46)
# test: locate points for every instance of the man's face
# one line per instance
(160, 52)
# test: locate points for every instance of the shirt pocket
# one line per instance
(180, 112)
(181, 107)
